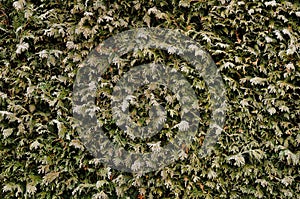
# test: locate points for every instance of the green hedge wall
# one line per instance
(255, 45)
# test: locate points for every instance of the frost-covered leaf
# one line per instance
(22, 47)
(77, 144)
(258, 80)
(272, 110)
(101, 195)
(19, 5)
(35, 145)
(239, 160)
(7, 132)
(287, 180)
(50, 177)
(30, 189)
(290, 66)
(182, 126)
(271, 3)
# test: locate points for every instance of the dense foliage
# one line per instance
(255, 45)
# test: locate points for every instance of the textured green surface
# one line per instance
(255, 45)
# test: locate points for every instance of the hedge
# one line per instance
(255, 45)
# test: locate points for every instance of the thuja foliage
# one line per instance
(255, 45)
